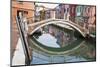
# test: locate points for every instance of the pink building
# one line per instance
(72, 12)
(90, 13)
(92, 20)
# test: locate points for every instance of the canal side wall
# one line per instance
(91, 38)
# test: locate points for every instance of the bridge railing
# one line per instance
(33, 22)
(73, 19)
(81, 21)
(24, 41)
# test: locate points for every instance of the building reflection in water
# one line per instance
(63, 37)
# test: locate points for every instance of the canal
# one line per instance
(56, 44)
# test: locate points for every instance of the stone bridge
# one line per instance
(43, 23)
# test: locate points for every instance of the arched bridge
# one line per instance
(43, 23)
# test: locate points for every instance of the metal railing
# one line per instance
(23, 40)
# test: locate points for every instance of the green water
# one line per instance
(60, 45)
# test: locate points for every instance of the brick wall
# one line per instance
(24, 6)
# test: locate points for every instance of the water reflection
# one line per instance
(56, 37)
(85, 52)
(48, 40)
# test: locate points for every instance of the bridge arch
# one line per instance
(61, 21)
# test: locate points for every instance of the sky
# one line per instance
(47, 5)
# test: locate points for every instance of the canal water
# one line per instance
(56, 44)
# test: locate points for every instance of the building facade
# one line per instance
(16, 8)
(72, 8)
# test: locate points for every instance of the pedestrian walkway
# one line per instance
(18, 57)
